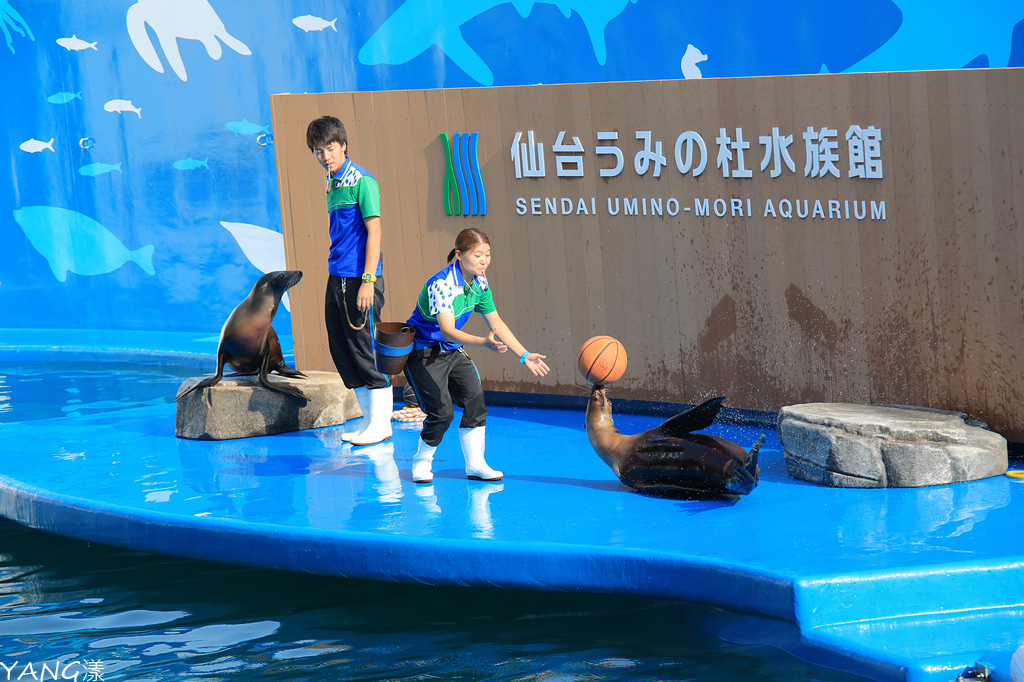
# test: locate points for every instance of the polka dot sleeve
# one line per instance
(441, 295)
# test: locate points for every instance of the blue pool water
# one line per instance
(149, 616)
(45, 390)
(153, 617)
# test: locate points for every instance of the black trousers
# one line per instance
(351, 349)
(439, 379)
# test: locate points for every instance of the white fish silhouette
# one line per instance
(75, 43)
(310, 23)
(119, 106)
(690, 60)
(32, 146)
(171, 20)
(264, 248)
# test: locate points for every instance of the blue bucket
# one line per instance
(392, 343)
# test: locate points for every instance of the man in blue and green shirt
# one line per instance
(355, 287)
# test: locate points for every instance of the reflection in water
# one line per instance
(386, 482)
(427, 497)
(480, 508)
(935, 518)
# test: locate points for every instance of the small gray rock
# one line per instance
(869, 446)
(238, 407)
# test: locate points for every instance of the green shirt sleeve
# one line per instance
(368, 197)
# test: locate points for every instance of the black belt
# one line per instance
(429, 352)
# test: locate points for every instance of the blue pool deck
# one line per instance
(898, 584)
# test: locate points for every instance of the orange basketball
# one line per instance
(602, 360)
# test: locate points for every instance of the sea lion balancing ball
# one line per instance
(602, 360)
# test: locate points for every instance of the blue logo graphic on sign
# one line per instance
(464, 192)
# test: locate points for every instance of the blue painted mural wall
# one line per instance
(140, 189)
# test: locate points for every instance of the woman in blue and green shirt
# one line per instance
(440, 370)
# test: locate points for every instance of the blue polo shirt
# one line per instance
(448, 292)
(352, 195)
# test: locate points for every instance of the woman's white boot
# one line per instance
(349, 432)
(381, 403)
(472, 441)
(421, 462)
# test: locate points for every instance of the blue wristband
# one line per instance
(522, 358)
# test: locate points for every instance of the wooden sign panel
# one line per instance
(777, 240)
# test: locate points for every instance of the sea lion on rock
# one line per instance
(248, 344)
(669, 460)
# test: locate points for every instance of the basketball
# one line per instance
(602, 360)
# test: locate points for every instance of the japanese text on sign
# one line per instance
(863, 154)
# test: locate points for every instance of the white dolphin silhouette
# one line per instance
(174, 19)
(264, 248)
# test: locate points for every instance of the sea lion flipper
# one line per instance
(286, 371)
(266, 383)
(742, 482)
(751, 464)
(206, 382)
(694, 419)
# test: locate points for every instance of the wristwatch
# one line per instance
(367, 277)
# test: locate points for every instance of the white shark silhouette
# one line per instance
(946, 34)
(418, 25)
(174, 19)
(264, 248)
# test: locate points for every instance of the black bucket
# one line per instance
(392, 343)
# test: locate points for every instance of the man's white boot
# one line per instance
(354, 426)
(421, 462)
(378, 426)
(472, 441)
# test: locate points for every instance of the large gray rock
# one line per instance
(868, 446)
(238, 407)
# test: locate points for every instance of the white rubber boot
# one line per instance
(378, 427)
(421, 472)
(357, 425)
(473, 450)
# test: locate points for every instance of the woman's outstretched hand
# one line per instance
(535, 362)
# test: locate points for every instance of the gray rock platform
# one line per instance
(238, 407)
(868, 446)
